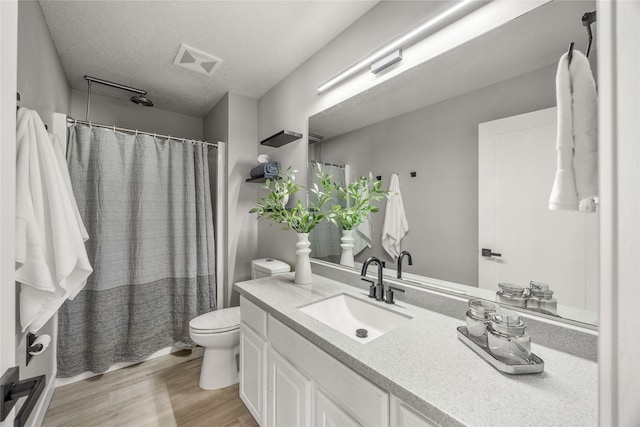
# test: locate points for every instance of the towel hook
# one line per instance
(587, 19)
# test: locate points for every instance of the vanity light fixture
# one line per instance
(401, 41)
(386, 62)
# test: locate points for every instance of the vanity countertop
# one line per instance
(424, 363)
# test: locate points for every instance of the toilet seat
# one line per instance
(227, 319)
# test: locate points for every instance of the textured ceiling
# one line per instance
(135, 42)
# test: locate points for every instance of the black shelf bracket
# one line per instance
(13, 389)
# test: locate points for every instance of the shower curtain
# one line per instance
(146, 205)
(325, 237)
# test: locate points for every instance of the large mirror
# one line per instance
(471, 136)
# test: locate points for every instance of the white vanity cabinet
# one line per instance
(253, 359)
(329, 414)
(302, 385)
(402, 415)
(289, 393)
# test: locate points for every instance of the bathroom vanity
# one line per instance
(296, 370)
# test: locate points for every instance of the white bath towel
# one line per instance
(576, 183)
(395, 225)
(51, 260)
(362, 236)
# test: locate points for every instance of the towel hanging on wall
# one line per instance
(576, 182)
(51, 260)
(395, 225)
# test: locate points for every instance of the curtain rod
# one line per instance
(135, 131)
(326, 163)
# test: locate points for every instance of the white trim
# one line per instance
(619, 132)
(221, 226)
(8, 85)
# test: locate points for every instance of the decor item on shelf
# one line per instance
(358, 197)
(265, 170)
(299, 218)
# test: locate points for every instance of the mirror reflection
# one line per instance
(471, 136)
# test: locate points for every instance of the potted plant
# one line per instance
(300, 218)
(358, 197)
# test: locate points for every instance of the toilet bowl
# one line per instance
(219, 333)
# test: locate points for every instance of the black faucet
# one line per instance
(402, 254)
(375, 291)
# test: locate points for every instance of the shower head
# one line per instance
(142, 100)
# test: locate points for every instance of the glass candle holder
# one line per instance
(507, 339)
(512, 294)
(541, 299)
(478, 316)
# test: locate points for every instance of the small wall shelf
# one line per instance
(256, 180)
(281, 138)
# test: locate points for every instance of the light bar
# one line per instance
(394, 45)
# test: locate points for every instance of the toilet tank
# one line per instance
(268, 267)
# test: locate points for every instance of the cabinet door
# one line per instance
(328, 414)
(253, 360)
(404, 416)
(289, 398)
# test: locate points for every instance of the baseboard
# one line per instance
(60, 382)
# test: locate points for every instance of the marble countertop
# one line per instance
(425, 364)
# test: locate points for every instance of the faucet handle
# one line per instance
(372, 287)
(389, 296)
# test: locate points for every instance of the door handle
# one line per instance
(489, 253)
(12, 389)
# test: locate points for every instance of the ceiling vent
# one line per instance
(197, 60)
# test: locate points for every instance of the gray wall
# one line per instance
(294, 99)
(43, 87)
(42, 82)
(234, 120)
(289, 104)
(242, 153)
(126, 114)
(440, 143)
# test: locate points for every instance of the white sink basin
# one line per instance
(346, 314)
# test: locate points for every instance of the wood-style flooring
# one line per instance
(161, 392)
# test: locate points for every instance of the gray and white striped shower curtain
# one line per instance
(146, 204)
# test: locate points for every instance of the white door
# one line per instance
(517, 164)
(8, 69)
(253, 359)
(289, 397)
(328, 414)
(404, 416)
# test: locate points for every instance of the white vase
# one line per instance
(346, 258)
(303, 265)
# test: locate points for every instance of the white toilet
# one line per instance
(219, 333)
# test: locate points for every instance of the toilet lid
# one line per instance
(220, 320)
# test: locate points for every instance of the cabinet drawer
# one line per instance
(253, 316)
(365, 402)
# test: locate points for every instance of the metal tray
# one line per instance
(535, 366)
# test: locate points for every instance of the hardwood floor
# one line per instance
(162, 392)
